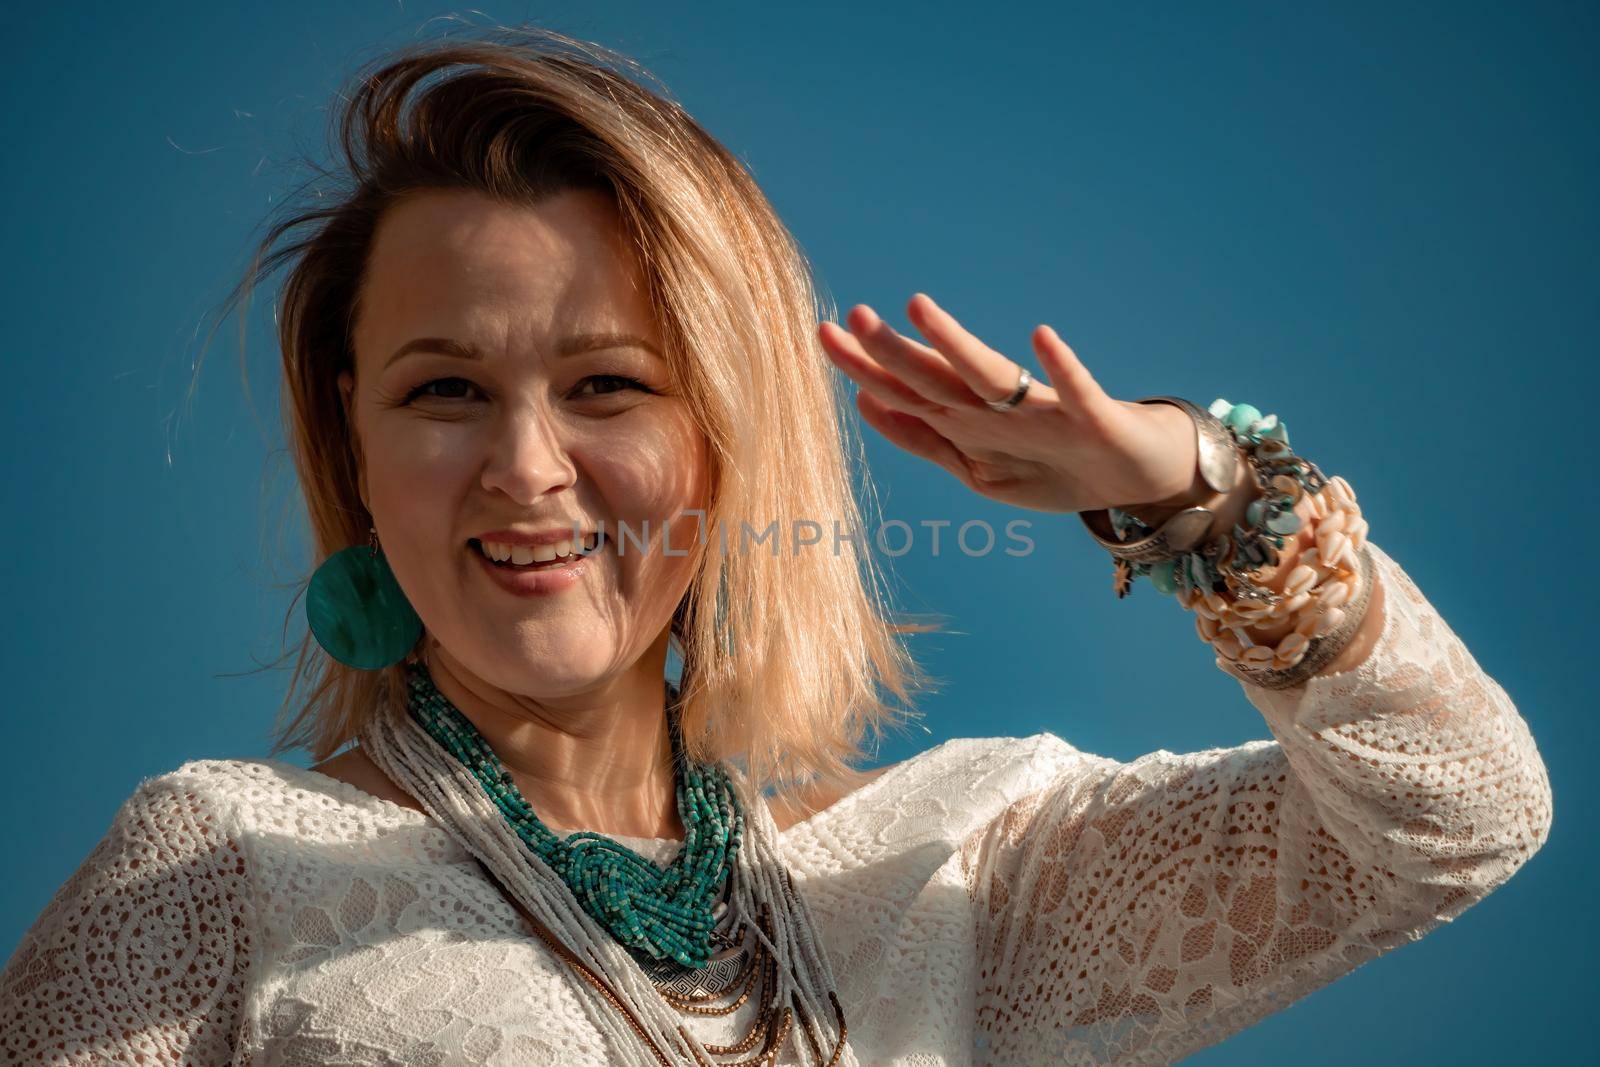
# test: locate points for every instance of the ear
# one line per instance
(347, 388)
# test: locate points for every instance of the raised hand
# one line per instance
(1066, 447)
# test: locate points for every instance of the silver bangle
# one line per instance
(1322, 650)
(1218, 454)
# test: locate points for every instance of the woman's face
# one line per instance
(549, 426)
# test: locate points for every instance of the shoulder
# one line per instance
(984, 775)
(171, 856)
(263, 800)
(948, 790)
(225, 791)
(257, 833)
(171, 875)
(200, 795)
(177, 825)
(1007, 766)
(989, 754)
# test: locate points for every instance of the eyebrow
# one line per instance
(569, 346)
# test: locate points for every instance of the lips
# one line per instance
(537, 579)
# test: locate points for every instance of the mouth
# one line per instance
(538, 557)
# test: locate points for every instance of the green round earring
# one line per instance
(358, 612)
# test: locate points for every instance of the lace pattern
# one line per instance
(141, 955)
(1138, 912)
(991, 900)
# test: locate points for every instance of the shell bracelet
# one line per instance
(1325, 596)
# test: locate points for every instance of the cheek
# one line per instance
(646, 475)
(415, 476)
(650, 470)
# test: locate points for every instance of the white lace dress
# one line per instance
(990, 901)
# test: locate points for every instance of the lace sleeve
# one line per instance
(1139, 912)
(140, 956)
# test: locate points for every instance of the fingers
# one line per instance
(848, 355)
(1069, 377)
(918, 366)
(912, 434)
(988, 374)
(959, 372)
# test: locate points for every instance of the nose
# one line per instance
(528, 458)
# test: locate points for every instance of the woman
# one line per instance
(552, 377)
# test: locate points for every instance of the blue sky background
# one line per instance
(1376, 220)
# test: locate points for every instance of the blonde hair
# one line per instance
(786, 657)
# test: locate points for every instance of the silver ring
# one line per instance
(1023, 381)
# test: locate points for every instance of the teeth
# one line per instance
(522, 555)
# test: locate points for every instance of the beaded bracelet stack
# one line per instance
(1324, 597)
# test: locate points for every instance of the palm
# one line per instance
(1066, 447)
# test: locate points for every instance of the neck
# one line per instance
(598, 760)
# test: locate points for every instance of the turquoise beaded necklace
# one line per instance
(655, 913)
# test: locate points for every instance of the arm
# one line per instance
(141, 955)
(1142, 911)
(1134, 913)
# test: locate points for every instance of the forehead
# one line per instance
(461, 261)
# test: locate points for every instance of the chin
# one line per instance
(564, 668)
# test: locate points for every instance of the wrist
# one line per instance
(1227, 508)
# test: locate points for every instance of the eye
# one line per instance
(451, 383)
(614, 382)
